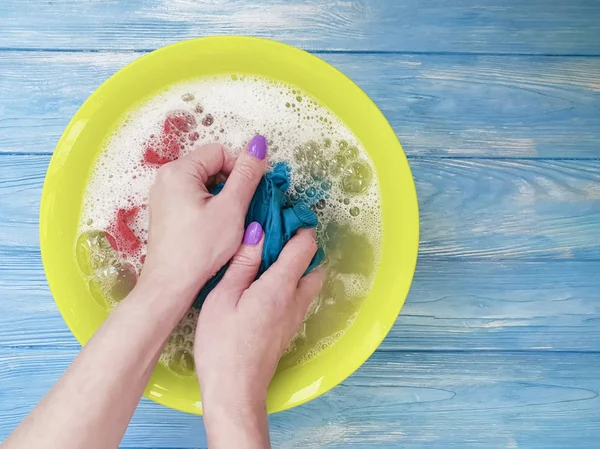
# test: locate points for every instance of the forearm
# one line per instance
(92, 403)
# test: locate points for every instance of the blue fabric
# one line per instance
(279, 220)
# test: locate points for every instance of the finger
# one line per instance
(244, 265)
(294, 258)
(225, 171)
(247, 172)
(205, 161)
(309, 287)
(228, 164)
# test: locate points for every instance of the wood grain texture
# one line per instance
(452, 306)
(439, 105)
(472, 213)
(497, 105)
(398, 399)
(492, 26)
(472, 208)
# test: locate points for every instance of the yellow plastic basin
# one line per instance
(100, 115)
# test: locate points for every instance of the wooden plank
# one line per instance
(439, 105)
(492, 26)
(397, 399)
(452, 306)
(21, 181)
(470, 208)
(509, 209)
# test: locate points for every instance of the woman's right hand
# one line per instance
(193, 233)
(244, 328)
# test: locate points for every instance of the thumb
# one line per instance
(247, 173)
(244, 265)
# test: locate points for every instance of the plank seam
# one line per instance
(409, 157)
(317, 52)
(76, 347)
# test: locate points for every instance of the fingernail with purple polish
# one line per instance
(258, 147)
(253, 234)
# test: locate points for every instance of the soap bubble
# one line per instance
(93, 251)
(299, 155)
(117, 280)
(96, 290)
(188, 97)
(318, 170)
(313, 152)
(182, 362)
(123, 282)
(180, 121)
(337, 164)
(357, 177)
(350, 153)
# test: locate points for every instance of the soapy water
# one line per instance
(330, 171)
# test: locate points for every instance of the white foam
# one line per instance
(240, 107)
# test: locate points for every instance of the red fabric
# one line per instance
(153, 158)
(160, 150)
(123, 239)
(167, 147)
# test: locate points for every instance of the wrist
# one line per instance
(244, 400)
(162, 299)
(179, 275)
(233, 421)
(230, 386)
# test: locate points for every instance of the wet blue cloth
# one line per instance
(279, 219)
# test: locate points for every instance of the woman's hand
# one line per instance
(243, 329)
(192, 233)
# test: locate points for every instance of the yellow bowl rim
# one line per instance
(410, 198)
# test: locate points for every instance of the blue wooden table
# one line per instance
(497, 104)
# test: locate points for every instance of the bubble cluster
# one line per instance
(330, 172)
(356, 177)
(178, 353)
(110, 278)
